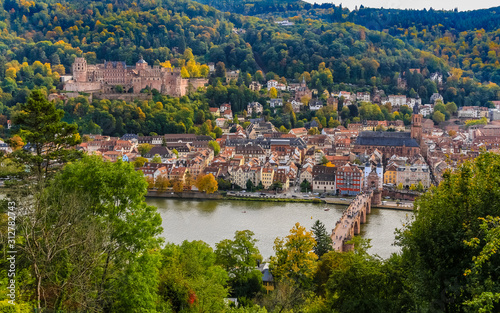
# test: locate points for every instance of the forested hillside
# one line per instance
(40, 40)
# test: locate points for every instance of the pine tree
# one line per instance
(323, 241)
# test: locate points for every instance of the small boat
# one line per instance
(327, 209)
(244, 212)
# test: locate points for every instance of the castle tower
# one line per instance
(416, 127)
(80, 70)
(141, 64)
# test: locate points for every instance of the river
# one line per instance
(215, 220)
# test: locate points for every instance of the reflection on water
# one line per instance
(215, 220)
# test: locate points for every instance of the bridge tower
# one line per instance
(373, 184)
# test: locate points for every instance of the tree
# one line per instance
(483, 298)
(447, 216)
(139, 162)
(324, 160)
(273, 93)
(355, 281)
(295, 259)
(16, 142)
(144, 148)
(240, 257)
(50, 139)
(451, 107)
(438, 117)
(250, 186)
(190, 279)
(214, 145)
(420, 186)
(162, 183)
(188, 181)
(323, 241)
(156, 159)
(305, 186)
(400, 186)
(174, 151)
(177, 185)
(122, 227)
(207, 183)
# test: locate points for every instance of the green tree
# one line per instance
(355, 281)
(484, 298)
(240, 257)
(438, 117)
(250, 185)
(144, 148)
(50, 139)
(139, 162)
(156, 159)
(323, 241)
(190, 279)
(97, 209)
(447, 216)
(214, 145)
(305, 186)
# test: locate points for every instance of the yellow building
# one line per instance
(267, 177)
(390, 174)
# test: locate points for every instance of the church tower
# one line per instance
(416, 128)
(80, 70)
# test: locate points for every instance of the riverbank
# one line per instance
(191, 195)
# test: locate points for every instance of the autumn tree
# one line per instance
(177, 185)
(188, 181)
(295, 259)
(207, 183)
(162, 183)
(273, 93)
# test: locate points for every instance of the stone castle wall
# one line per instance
(103, 78)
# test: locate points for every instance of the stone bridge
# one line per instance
(351, 220)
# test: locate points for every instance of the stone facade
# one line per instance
(107, 76)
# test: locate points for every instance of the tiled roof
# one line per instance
(386, 139)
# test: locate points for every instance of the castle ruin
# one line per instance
(105, 78)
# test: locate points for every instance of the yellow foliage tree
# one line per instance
(162, 183)
(184, 72)
(207, 183)
(295, 258)
(177, 186)
(16, 142)
(273, 93)
(11, 73)
(166, 64)
(151, 182)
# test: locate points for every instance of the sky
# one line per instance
(462, 5)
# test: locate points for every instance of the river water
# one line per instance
(215, 220)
